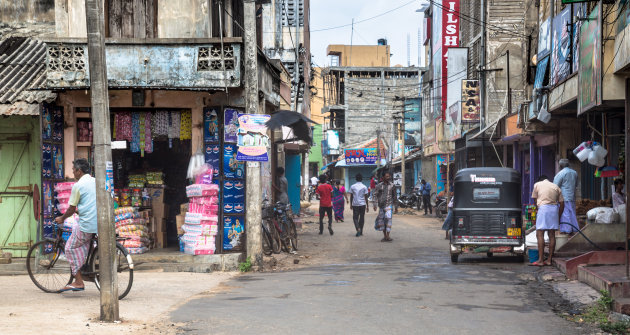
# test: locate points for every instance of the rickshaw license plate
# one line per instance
(514, 231)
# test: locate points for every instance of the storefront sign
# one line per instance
(362, 156)
(211, 124)
(561, 48)
(233, 232)
(541, 72)
(544, 38)
(450, 38)
(579, 10)
(413, 122)
(457, 71)
(470, 100)
(230, 124)
(252, 138)
(232, 168)
(589, 74)
(233, 196)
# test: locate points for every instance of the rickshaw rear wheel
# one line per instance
(520, 258)
(454, 258)
(489, 254)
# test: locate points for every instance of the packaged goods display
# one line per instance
(131, 226)
(201, 216)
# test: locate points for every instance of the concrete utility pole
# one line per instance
(254, 191)
(402, 161)
(627, 172)
(108, 278)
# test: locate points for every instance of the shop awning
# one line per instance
(293, 120)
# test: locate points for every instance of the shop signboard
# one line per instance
(457, 71)
(361, 156)
(233, 233)
(428, 119)
(544, 38)
(230, 125)
(579, 10)
(232, 168)
(541, 72)
(252, 138)
(470, 100)
(589, 74)
(450, 38)
(561, 47)
(211, 124)
(440, 188)
(413, 122)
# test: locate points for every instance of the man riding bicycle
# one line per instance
(83, 201)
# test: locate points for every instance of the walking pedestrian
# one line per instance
(359, 203)
(549, 207)
(83, 200)
(339, 198)
(325, 204)
(385, 193)
(566, 179)
(426, 197)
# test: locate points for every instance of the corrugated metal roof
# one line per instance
(22, 67)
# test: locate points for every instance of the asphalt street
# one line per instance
(350, 285)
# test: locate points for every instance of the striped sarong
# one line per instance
(384, 219)
(77, 248)
(568, 218)
(547, 217)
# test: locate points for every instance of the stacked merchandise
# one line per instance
(137, 180)
(529, 216)
(84, 131)
(62, 196)
(131, 226)
(154, 178)
(201, 220)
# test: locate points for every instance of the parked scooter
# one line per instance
(441, 207)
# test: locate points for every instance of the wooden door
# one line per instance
(19, 172)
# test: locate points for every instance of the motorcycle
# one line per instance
(441, 208)
(312, 193)
(409, 200)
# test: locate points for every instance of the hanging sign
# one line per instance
(252, 138)
(450, 38)
(470, 100)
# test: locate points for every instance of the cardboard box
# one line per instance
(179, 220)
(160, 241)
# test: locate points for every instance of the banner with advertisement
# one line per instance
(561, 47)
(440, 188)
(450, 38)
(252, 138)
(413, 122)
(361, 156)
(457, 71)
(544, 38)
(589, 74)
(470, 100)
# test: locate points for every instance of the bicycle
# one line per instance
(271, 237)
(285, 226)
(48, 266)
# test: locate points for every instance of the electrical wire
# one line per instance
(364, 20)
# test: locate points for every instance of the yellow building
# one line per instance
(360, 55)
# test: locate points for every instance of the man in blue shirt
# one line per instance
(82, 201)
(566, 179)
(426, 196)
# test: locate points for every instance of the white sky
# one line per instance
(393, 26)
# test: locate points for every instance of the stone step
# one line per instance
(610, 278)
(178, 267)
(622, 305)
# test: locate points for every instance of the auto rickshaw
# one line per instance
(487, 213)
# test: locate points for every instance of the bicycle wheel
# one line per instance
(275, 237)
(293, 234)
(48, 267)
(440, 209)
(285, 236)
(124, 269)
(267, 246)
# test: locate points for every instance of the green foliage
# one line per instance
(620, 327)
(245, 266)
(598, 314)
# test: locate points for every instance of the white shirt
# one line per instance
(359, 191)
(314, 181)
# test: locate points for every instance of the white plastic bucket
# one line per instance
(593, 159)
(582, 146)
(583, 154)
(600, 151)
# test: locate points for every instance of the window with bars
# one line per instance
(289, 10)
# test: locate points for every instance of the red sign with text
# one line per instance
(450, 38)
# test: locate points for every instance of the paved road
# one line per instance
(363, 286)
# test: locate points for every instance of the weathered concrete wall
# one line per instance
(195, 101)
(183, 18)
(364, 98)
(23, 11)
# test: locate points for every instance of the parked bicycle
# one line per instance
(271, 237)
(50, 271)
(278, 218)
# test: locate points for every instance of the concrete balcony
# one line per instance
(197, 64)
